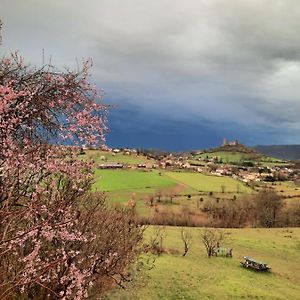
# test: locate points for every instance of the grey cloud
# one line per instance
(218, 60)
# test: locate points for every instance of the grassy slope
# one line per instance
(227, 157)
(123, 185)
(116, 158)
(116, 180)
(286, 188)
(197, 277)
(238, 157)
(207, 183)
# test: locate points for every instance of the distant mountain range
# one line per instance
(290, 152)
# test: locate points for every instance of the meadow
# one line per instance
(123, 185)
(133, 180)
(209, 183)
(105, 156)
(141, 180)
(138, 185)
(198, 277)
(229, 157)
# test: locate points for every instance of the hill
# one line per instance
(240, 148)
(238, 154)
(290, 152)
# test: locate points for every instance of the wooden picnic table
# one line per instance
(255, 264)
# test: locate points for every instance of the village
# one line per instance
(252, 167)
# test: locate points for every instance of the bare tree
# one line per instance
(150, 200)
(171, 198)
(159, 195)
(156, 240)
(238, 188)
(211, 239)
(186, 237)
(267, 206)
(223, 188)
(294, 211)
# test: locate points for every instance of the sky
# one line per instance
(182, 74)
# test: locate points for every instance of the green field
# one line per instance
(208, 183)
(132, 180)
(198, 277)
(98, 155)
(227, 157)
(239, 157)
(122, 185)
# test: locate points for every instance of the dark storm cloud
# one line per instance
(218, 61)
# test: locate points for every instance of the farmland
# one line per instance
(105, 156)
(208, 183)
(122, 185)
(139, 185)
(171, 194)
(228, 157)
(112, 180)
(183, 194)
(198, 277)
(130, 180)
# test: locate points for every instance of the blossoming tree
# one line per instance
(57, 239)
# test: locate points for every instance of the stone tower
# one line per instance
(225, 142)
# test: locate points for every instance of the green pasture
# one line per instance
(228, 157)
(109, 157)
(139, 185)
(130, 180)
(272, 159)
(209, 183)
(198, 277)
(238, 157)
(122, 185)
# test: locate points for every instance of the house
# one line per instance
(162, 164)
(110, 166)
(186, 165)
(142, 166)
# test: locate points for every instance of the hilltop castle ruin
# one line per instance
(231, 143)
